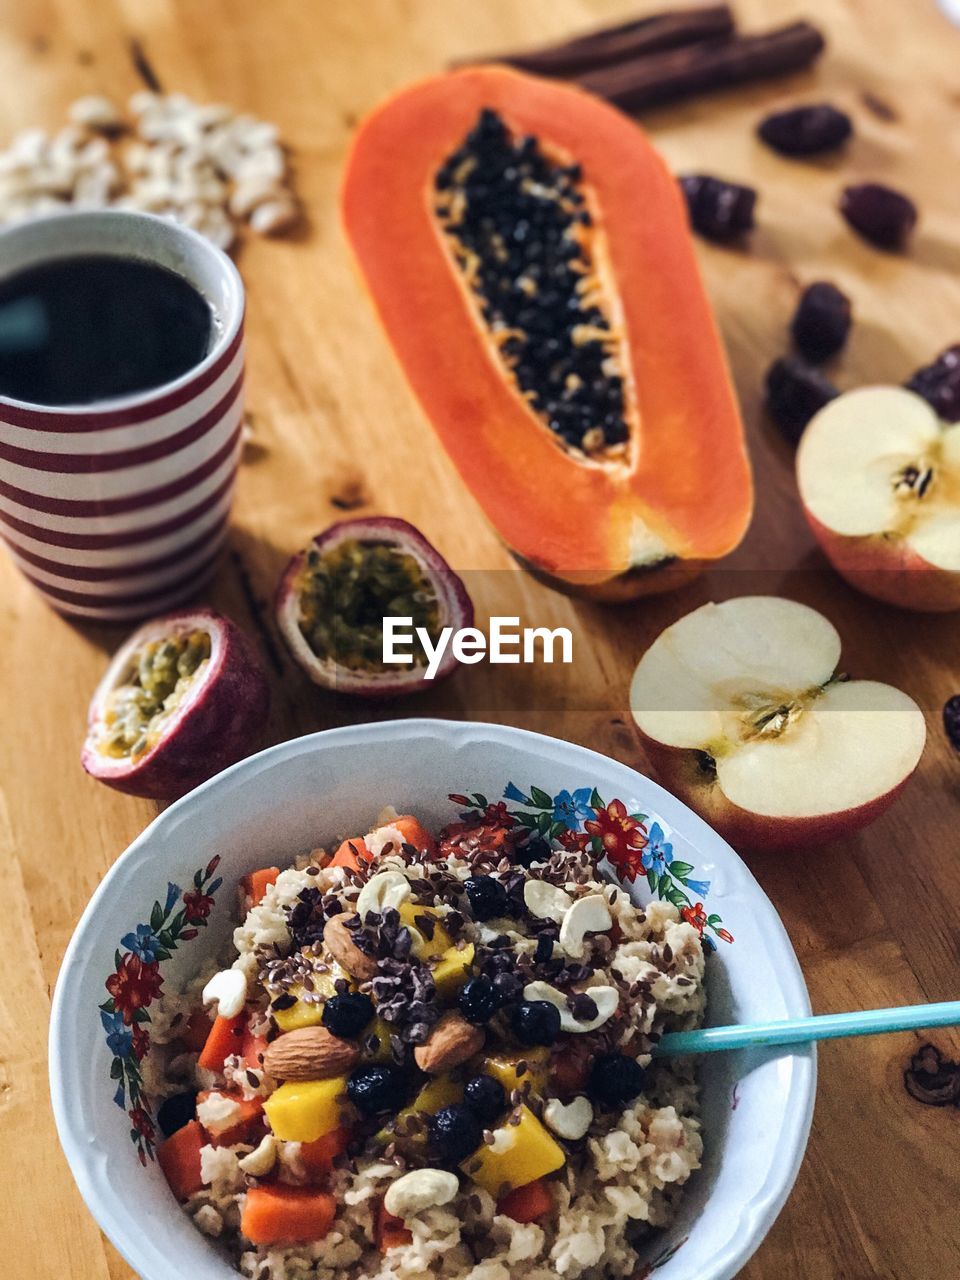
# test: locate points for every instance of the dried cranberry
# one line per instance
(939, 384)
(951, 720)
(795, 392)
(805, 131)
(881, 215)
(821, 321)
(719, 210)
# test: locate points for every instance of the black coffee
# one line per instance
(77, 330)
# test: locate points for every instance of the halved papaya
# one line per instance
(528, 253)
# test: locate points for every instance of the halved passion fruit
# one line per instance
(184, 697)
(335, 594)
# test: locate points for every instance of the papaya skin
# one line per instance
(684, 492)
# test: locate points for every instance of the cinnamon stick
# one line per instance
(633, 39)
(709, 65)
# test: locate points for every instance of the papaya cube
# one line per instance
(519, 1154)
(503, 1067)
(432, 948)
(451, 972)
(303, 1111)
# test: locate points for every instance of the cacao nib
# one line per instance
(718, 210)
(805, 131)
(939, 384)
(795, 392)
(821, 321)
(951, 720)
(881, 215)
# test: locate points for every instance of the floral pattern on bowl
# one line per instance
(634, 844)
(136, 983)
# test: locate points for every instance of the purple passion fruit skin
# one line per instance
(184, 697)
(334, 595)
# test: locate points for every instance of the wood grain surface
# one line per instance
(874, 919)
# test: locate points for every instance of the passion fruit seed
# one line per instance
(161, 673)
(518, 226)
(345, 594)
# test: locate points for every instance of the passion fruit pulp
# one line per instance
(184, 697)
(334, 595)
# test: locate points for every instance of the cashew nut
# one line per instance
(228, 990)
(418, 1190)
(587, 915)
(546, 901)
(605, 998)
(567, 1121)
(261, 1159)
(384, 890)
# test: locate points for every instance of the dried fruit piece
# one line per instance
(951, 720)
(184, 697)
(718, 209)
(335, 594)
(795, 392)
(822, 320)
(805, 131)
(939, 384)
(881, 215)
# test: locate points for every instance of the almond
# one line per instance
(310, 1053)
(341, 945)
(451, 1042)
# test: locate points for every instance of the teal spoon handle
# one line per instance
(827, 1026)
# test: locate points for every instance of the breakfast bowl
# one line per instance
(169, 907)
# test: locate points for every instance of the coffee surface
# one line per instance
(83, 329)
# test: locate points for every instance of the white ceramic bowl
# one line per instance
(757, 1106)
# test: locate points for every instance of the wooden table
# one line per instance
(874, 920)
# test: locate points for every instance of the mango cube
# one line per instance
(503, 1067)
(432, 948)
(381, 1032)
(303, 1111)
(520, 1154)
(450, 974)
(302, 1014)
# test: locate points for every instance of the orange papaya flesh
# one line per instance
(634, 517)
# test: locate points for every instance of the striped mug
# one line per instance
(117, 510)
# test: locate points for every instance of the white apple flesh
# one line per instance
(879, 478)
(744, 718)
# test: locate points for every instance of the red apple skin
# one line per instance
(885, 567)
(678, 770)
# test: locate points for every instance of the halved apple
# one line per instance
(745, 718)
(879, 477)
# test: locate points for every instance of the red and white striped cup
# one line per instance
(118, 510)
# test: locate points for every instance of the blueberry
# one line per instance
(373, 1089)
(486, 1098)
(177, 1111)
(479, 1000)
(535, 1022)
(615, 1079)
(488, 897)
(536, 849)
(347, 1015)
(455, 1133)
